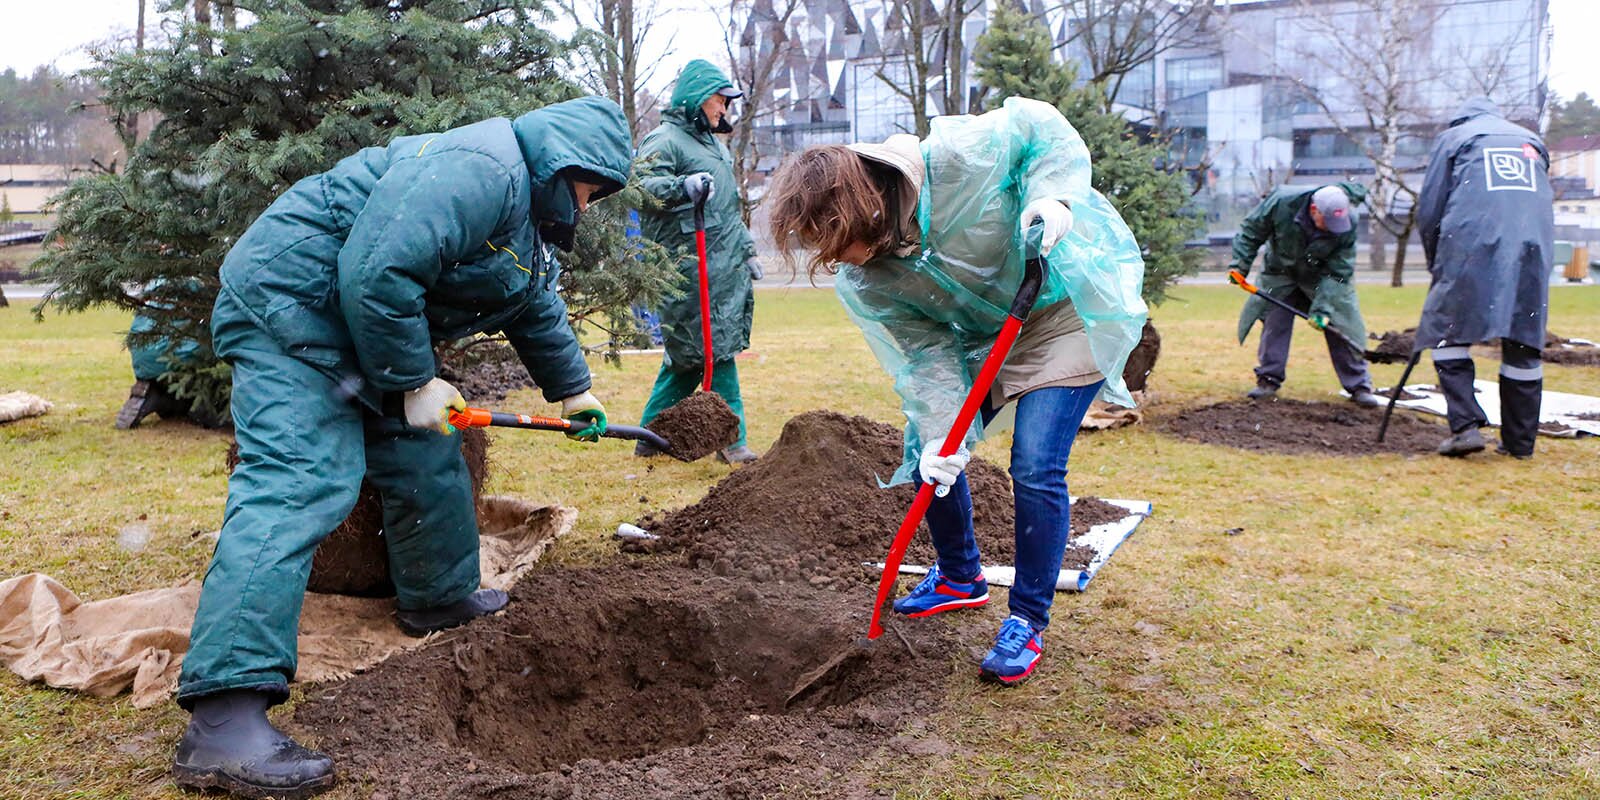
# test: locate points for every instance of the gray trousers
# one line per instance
(1521, 389)
(1277, 330)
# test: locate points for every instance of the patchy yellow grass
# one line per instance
(1383, 626)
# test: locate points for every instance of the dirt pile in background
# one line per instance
(354, 559)
(697, 426)
(1292, 426)
(485, 372)
(1397, 344)
(1557, 349)
(1564, 351)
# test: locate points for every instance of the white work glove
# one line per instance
(699, 187)
(1057, 219)
(586, 409)
(429, 406)
(942, 470)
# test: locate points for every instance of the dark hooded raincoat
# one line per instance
(682, 146)
(1488, 230)
(330, 304)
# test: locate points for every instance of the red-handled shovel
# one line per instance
(1021, 305)
(705, 288)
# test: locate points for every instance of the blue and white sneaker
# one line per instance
(936, 594)
(1015, 653)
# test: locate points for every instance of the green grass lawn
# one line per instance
(1382, 627)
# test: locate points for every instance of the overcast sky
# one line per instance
(35, 33)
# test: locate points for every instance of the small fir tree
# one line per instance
(1013, 59)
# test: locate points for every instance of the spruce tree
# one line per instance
(1013, 59)
(245, 112)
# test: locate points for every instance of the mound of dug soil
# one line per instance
(697, 426)
(1397, 344)
(354, 559)
(1292, 426)
(1564, 351)
(484, 373)
(811, 508)
(636, 683)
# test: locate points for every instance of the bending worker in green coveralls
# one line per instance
(685, 163)
(329, 308)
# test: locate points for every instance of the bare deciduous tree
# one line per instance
(1376, 68)
(757, 52)
(1112, 38)
(616, 56)
(932, 49)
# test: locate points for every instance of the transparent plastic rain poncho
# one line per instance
(932, 317)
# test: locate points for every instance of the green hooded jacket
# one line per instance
(357, 271)
(681, 146)
(1323, 267)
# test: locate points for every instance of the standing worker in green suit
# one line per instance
(1310, 238)
(329, 308)
(685, 163)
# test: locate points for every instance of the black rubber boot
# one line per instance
(230, 745)
(1365, 398)
(144, 399)
(427, 620)
(1519, 415)
(737, 455)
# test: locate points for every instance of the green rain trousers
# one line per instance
(303, 451)
(672, 386)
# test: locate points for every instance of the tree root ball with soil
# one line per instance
(1292, 426)
(697, 426)
(1142, 361)
(354, 559)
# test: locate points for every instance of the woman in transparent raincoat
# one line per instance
(926, 238)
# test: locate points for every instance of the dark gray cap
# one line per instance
(1335, 207)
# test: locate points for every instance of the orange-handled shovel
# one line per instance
(484, 418)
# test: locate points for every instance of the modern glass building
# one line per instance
(1263, 93)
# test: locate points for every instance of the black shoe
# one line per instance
(230, 745)
(1365, 398)
(1464, 443)
(1501, 449)
(1263, 391)
(427, 620)
(741, 454)
(645, 449)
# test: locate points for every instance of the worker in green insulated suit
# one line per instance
(329, 308)
(1310, 236)
(683, 161)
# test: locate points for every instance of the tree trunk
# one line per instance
(138, 47)
(630, 63)
(230, 16)
(1401, 240)
(202, 20)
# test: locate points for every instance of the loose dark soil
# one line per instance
(697, 426)
(642, 682)
(1396, 344)
(811, 509)
(1142, 361)
(1564, 351)
(485, 372)
(1587, 415)
(1292, 426)
(354, 559)
(1554, 427)
(731, 669)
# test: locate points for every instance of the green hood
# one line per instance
(589, 134)
(699, 80)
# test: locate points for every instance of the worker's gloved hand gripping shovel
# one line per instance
(1021, 305)
(484, 418)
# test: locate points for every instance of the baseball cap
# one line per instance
(1335, 207)
(730, 92)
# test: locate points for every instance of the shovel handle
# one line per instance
(1021, 305)
(1238, 277)
(484, 418)
(705, 290)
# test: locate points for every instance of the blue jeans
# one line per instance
(1047, 424)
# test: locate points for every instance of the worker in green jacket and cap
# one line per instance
(1309, 233)
(328, 310)
(683, 163)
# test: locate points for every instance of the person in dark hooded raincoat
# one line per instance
(1488, 230)
(683, 161)
(1310, 264)
(329, 307)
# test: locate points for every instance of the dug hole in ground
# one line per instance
(723, 660)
